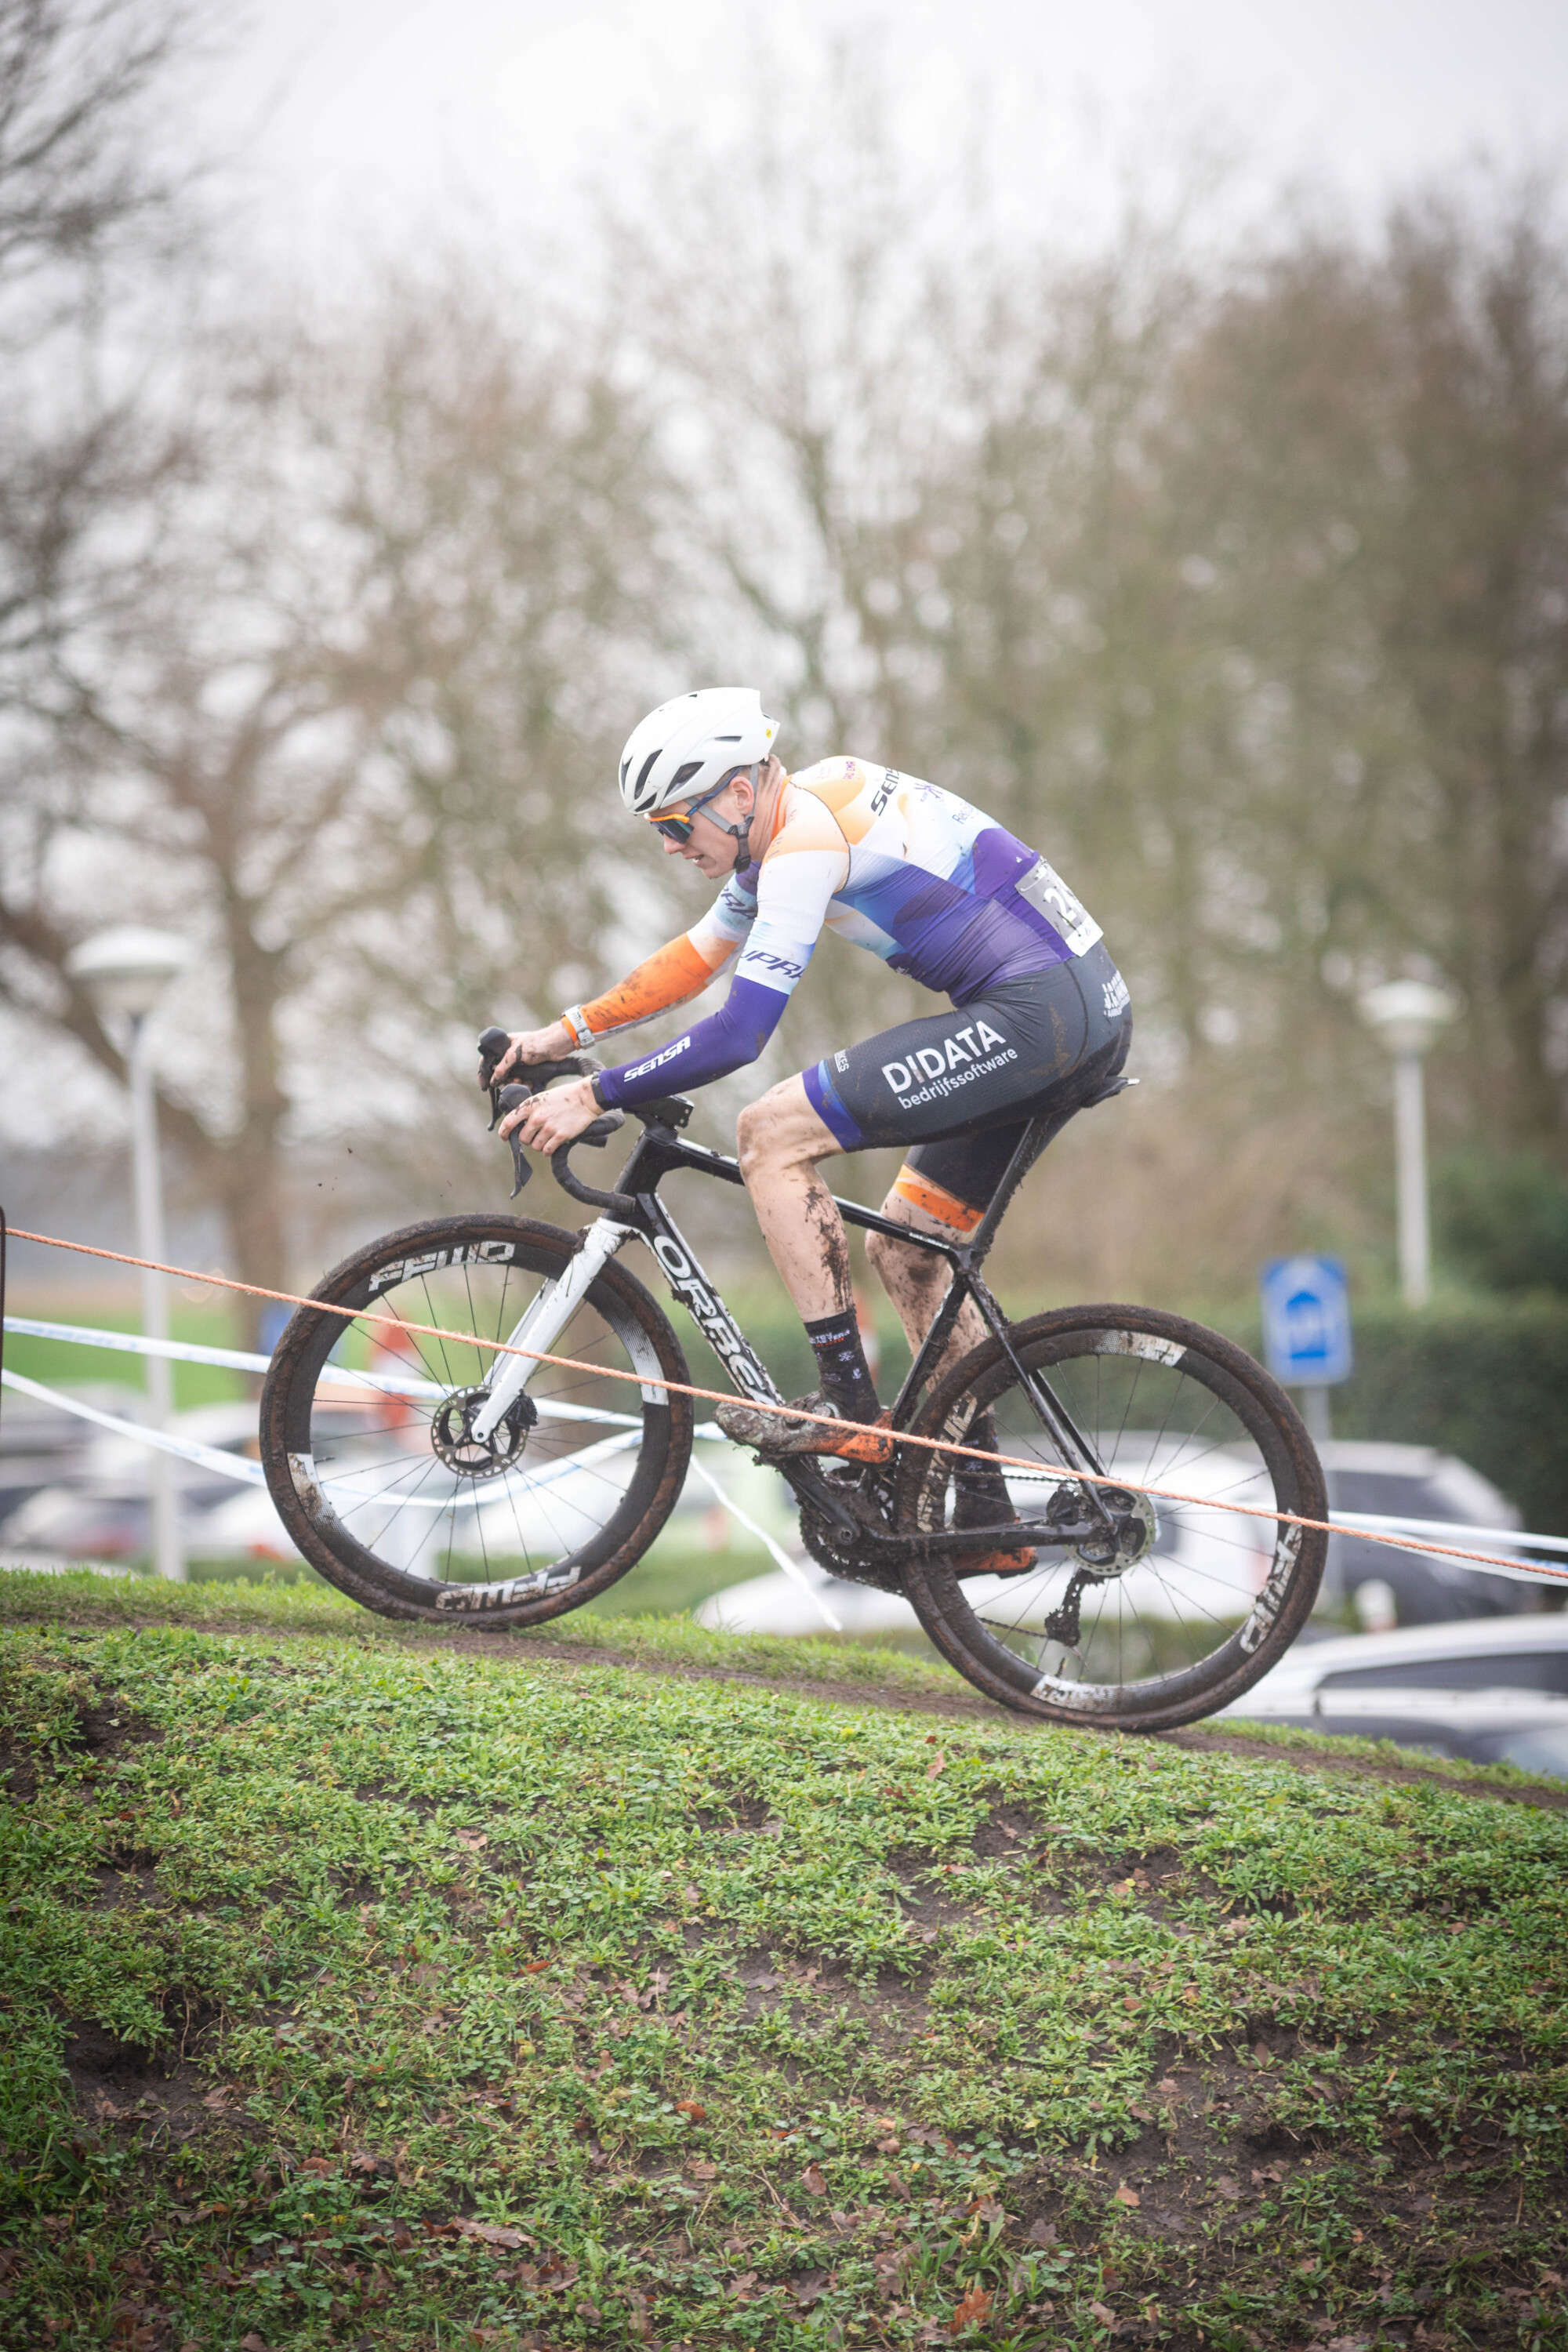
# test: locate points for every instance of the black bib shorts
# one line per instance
(960, 1087)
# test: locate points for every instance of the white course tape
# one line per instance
(1451, 1530)
(792, 1568)
(208, 1457)
(230, 1465)
(235, 1359)
(342, 1490)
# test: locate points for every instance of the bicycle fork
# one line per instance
(542, 1320)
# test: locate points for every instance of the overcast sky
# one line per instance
(356, 115)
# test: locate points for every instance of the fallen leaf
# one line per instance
(254, 2343)
(426, 1973)
(690, 2107)
(702, 2172)
(975, 2307)
(989, 2211)
(488, 2233)
(887, 2146)
(1103, 2313)
(812, 2181)
(1226, 2187)
(1042, 2231)
(318, 2164)
(810, 2289)
(938, 1764)
(1168, 2089)
(1125, 2196)
(532, 1967)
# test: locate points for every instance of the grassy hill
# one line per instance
(363, 1988)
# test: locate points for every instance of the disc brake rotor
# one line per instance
(452, 1433)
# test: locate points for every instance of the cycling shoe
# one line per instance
(777, 1438)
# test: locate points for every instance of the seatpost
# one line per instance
(1031, 1143)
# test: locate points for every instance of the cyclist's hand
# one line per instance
(547, 1121)
(552, 1045)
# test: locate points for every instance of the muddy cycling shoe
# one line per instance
(777, 1438)
(980, 1499)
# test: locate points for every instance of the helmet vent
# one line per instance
(645, 768)
(688, 769)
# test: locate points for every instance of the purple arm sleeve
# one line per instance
(709, 1049)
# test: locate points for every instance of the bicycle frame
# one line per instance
(634, 1211)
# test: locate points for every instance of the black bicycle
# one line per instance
(432, 1477)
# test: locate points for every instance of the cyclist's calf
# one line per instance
(917, 1281)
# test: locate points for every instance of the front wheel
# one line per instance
(1177, 1606)
(371, 1460)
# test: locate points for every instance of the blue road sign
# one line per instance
(1305, 1321)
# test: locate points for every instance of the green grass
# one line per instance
(735, 2017)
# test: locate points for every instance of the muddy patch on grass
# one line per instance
(129, 2089)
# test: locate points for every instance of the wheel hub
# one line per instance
(1133, 1532)
(452, 1433)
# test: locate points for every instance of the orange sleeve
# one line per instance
(670, 977)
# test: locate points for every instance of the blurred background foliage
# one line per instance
(1230, 569)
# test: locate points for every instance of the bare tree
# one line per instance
(341, 740)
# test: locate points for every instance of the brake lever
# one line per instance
(505, 1099)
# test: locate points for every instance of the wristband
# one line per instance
(572, 1019)
(596, 1090)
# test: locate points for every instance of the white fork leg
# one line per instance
(543, 1320)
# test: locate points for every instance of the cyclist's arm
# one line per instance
(672, 975)
(805, 864)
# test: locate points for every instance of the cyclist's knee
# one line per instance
(780, 1130)
(762, 1137)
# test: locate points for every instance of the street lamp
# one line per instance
(1407, 1016)
(125, 970)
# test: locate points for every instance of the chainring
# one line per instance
(842, 1556)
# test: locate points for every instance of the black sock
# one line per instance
(841, 1365)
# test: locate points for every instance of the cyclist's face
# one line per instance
(709, 848)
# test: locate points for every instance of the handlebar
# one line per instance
(493, 1046)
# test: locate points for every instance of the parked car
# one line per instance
(1416, 1482)
(1494, 1689)
(96, 1505)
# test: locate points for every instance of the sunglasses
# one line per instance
(678, 828)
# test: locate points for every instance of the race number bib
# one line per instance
(1048, 895)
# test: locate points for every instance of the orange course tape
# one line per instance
(720, 1396)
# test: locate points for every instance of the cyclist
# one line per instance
(1039, 1016)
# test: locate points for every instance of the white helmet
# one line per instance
(686, 747)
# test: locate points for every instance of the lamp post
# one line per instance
(1407, 1016)
(126, 970)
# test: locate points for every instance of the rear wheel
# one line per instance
(1180, 1604)
(365, 1440)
